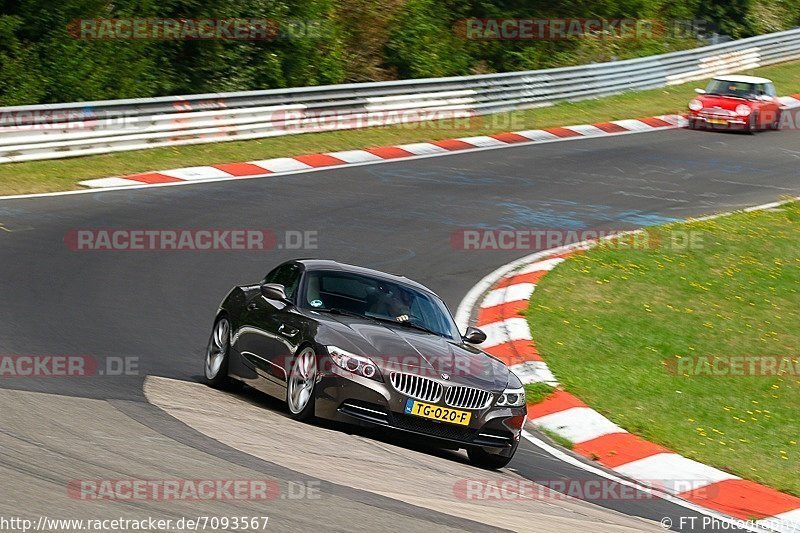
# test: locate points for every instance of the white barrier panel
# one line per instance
(64, 130)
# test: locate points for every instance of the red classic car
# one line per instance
(736, 102)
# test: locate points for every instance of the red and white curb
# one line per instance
(283, 165)
(790, 101)
(299, 163)
(495, 303)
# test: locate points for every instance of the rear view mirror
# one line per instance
(474, 335)
(274, 291)
(700, 91)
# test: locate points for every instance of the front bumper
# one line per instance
(356, 400)
(721, 121)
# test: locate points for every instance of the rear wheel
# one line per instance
(483, 459)
(217, 356)
(301, 383)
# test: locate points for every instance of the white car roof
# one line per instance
(742, 79)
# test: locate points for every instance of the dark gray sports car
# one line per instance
(356, 345)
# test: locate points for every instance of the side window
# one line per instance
(770, 90)
(286, 275)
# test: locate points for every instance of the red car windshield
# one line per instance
(732, 88)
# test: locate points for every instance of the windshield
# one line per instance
(376, 298)
(732, 88)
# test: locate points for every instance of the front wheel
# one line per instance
(777, 124)
(483, 459)
(753, 123)
(301, 383)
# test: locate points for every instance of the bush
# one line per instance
(356, 40)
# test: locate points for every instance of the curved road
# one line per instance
(397, 216)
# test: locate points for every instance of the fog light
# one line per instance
(516, 422)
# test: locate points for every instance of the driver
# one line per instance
(400, 305)
(393, 302)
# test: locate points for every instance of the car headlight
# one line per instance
(695, 105)
(511, 398)
(357, 364)
(743, 110)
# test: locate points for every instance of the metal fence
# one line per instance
(73, 129)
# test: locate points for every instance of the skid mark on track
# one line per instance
(757, 185)
(4, 227)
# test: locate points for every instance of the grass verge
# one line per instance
(63, 174)
(537, 392)
(558, 439)
(618, 325)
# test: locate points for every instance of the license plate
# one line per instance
(717, 121)
(436, 412)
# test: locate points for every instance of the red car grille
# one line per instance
(717, 113)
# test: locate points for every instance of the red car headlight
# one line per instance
(743, 110)
(695, 105)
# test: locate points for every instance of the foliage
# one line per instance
(41, 61)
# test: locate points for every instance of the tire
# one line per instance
(692, 124)
(301, 385)
(777, 124)
(215, 367)
(489, 461)
(752, 124)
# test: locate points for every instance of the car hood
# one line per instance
(397, 348)
(723, 102)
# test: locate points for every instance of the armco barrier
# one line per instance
(72, 129)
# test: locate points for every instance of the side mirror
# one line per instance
(474, 335)
(700, 91)
(274, 291)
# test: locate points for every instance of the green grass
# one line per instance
(63, 174)
(558, 439)
(537, 392)
(612, 324)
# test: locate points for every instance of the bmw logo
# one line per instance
(446, 377)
